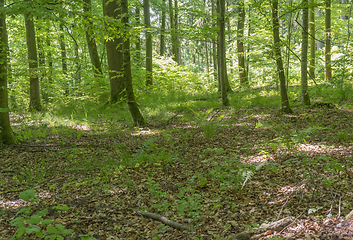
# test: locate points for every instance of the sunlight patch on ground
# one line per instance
(258, 159)
(4, 203)
(82, 127)
(309, 148)
(143, 132)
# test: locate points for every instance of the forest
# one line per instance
(176, 119)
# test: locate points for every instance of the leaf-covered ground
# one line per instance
(215, 171)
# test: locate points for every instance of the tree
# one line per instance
(6, 133)
(278, 56)
(162, 42)
(304, 59)
(328, 70)
(34, 103)
(172, 31)
(243, 74)
(312, 39)
(222, 53)
(114, 47)
(91, 43)
(146, 11)
(133, 107)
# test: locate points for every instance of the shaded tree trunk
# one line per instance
(133, 107)
(177, 43)
(222, 53)
(328, 72)
(312, 39)
(146, 10)
(304, 58)
(91, 42)
(6, 133)
(278, 56)
(172, 31)
(138, 39)
(114, 48)
(162, 43)
(215, 53)
(243, 74)
(34, 92)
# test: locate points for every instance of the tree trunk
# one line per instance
(133, 107)
(206, 54)
(222, 53)
(243, 75)
(312, 39)
(289, 36)
(6, 133)
(146, 10)
(177, 43)
(91, 43)
(278, 56)
(34, 93)
(172, 31)
(115, 54)
(328, 72)
(138, 39)
(63, 56)
(214, 53)
(304, 60)
(162, 46)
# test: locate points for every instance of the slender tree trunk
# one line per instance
(177, 43)
(304, 60)
(115, 54)
(63, 56)
(146, 10)
(222, 53)
(172, 31)
(207, 64)
(50, 60)
(6, 133)
(328, 73)
(162, 46)
(91, 42)
(138, 38)
(215, 52)
(34, 93)
(289, 36)
(133, 107)
(243, 75)
(278, 56)
(312, 39)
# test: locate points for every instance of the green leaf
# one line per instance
(52, 229)
(43, 212)
(32, 229)
(39, 234)
(34, 219)
(67, 231)
(60, 227)
(27, 195)
(47, 221)
(17, 222)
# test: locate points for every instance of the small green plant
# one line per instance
(33, 224)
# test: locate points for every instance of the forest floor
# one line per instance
(214, 171)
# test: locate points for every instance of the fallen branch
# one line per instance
(163, 220)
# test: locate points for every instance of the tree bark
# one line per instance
(243, 74)
(91, 42)
(278, 56)
(172, 31)
(214, 53)
(312, 39)
(133, 107)
(6, 133)
(162, 43)
(34, 93)
(138, 39)
(304, 60)
(177, 43)
(114, 47)
(222, 53)
(328, 72)
(146, 10)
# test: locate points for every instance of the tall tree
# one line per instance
(172, 31)
(312, 39)
(146, 10)
(328, 72)
(304, 59)
(222, 53)
(91, 42)
(176, 23)
(243, 74)
(162, 42)
(6, 133)
(138, 39)
(114, 47)
(133, 107)
(278, 56)
(34, 93)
